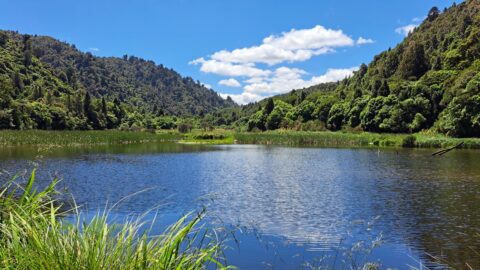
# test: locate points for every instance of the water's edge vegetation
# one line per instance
(219, 136)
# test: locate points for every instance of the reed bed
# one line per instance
(349, 139)
(42, 137)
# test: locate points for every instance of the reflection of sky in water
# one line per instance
(315, 198)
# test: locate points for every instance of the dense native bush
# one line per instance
(461, 118)
(63, 88)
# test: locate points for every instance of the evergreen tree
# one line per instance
(18, 83)
(3, 39)
(104, 108)
(384, 90)
(413, 63)
(433, 14)
(87, 104)
(90, 112)
(269, 106)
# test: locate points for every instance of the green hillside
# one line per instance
(48, 84)
(431, 80)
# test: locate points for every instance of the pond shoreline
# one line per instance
(219, 137)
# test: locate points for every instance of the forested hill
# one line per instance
(48, 84)
(431, 80)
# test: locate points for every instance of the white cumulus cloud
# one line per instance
(419, 19)
(406, 29)
(243, 98)
(333, 75)
(229, 69)
(230, 82)
(285, 79)
(292, 46)
(362, 41)
(253, 68)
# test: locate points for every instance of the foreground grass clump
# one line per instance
(33, 236)
(42, 137)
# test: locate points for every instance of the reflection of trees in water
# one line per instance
(306, 196)
(51, 151)
(428, 204)
(436, 205)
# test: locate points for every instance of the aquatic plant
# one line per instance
(63, 138)
(350, 139)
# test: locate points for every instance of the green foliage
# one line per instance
(47, 84)
(337, 116)
(409, 141)
(184, 127)
(269, 106)
(276, 118)
(413, 63)
(257, 121)
(305, 110)
(462, 117)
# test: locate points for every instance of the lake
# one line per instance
(287, 207)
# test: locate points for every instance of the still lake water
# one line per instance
(289, 206)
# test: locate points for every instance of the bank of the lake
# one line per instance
(348, 139)
(63, 138)
(222, 136)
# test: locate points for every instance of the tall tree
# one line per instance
(413, 63)
(433, 14)
(104, 108)
(269, 106)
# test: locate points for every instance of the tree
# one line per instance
(461, 118)
(336, 116)
(269, 106)
(257, 121)
(6, 120)
(27, 50)
(413, 63)
(3, 39)
(87, 104)
(384, 89)
(90, 112)
(433, 14)
(104, 108)
(275, 118)
(6, 92)
(437, 63)
(303, 95)
(305, 110)
(18, 82)
(27, 57)
(184, 127)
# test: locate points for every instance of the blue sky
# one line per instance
(245, 48)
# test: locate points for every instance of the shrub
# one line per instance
(409, 141)
(184, 128)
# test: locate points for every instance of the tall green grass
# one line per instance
(349, 139)
(220, 136)
(42, 137)
(32, 236)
